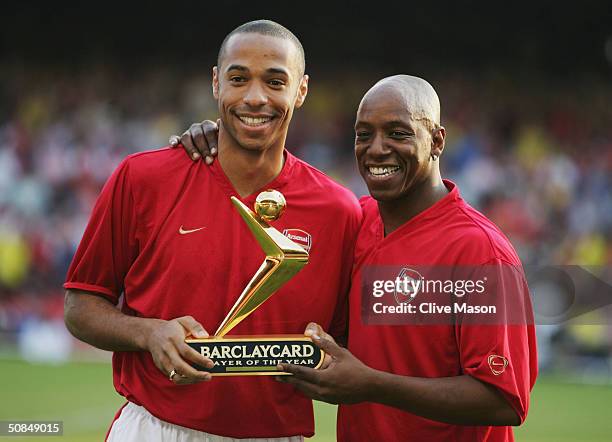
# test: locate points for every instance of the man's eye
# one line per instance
(362, 135)
(237, 79)
(276, 83)
(397, 134)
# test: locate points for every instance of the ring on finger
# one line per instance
(172, 374)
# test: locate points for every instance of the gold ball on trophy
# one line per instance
(270, 205)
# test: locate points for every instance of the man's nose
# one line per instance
(255, 95)
(378, 148)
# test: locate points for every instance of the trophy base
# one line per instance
(256, 355)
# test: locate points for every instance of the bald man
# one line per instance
(421, 376)
(459, 377)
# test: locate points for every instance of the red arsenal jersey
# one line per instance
(165, 234)
(449, 234)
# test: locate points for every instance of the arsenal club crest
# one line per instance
(300, 237)
(410, 286)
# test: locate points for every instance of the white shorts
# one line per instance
(136, 424)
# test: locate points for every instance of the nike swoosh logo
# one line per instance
(185, 232)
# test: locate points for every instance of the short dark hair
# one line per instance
(266, 27)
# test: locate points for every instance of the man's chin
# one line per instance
(254, 146)
(383, 195)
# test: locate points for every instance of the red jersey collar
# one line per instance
(277, 183)
(433, 212)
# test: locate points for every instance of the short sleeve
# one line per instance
(109, 246)
(502, 351)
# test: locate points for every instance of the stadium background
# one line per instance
(526, 99)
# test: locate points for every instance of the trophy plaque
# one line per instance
(259, 355)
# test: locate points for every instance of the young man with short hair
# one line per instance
(165, 235)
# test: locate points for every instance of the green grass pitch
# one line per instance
(81, 395)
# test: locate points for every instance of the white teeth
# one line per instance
(258, 121)
(383, 171)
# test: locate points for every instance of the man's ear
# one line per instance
(438, 139)
(215, 82)
(302, 91)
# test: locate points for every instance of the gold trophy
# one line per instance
(259, 355)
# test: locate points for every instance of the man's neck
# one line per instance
(424, 195)
(247, 170)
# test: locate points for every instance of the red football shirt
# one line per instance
(133, 245)
(448, 234)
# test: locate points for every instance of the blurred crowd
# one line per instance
(535, 155)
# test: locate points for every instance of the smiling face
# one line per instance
(257, 85)
(394, 140)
